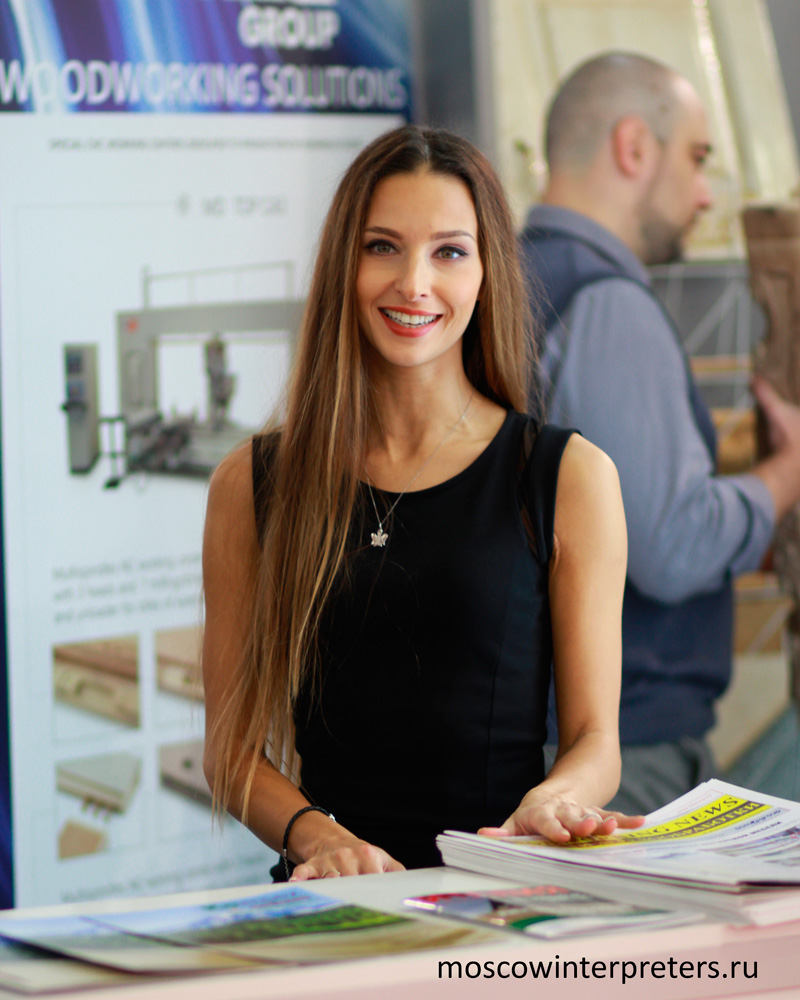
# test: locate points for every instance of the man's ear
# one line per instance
(632, 146)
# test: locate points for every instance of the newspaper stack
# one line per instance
(722, 850)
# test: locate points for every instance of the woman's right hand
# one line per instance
(345, 855)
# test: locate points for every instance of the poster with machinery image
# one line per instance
(165, 170)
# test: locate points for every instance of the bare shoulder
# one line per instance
(233, 478)
(230, 516)
(585, 468)
(589, 508)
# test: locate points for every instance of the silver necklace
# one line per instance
(379, 538)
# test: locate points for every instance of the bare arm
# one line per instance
(587, 577)
(230, 557)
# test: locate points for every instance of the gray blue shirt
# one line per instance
(623, 382)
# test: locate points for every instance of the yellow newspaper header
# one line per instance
(722, 812)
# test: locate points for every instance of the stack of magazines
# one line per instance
(719, 850)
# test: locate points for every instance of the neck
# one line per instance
(608, 208)
(428, 425)
(412, 410)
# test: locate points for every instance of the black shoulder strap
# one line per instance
(540, 459)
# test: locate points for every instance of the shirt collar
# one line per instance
(581, 226)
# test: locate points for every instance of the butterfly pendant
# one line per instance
(379, 538)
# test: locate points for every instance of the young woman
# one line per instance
(390, 572)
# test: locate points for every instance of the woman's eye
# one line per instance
(380, 247)
(451, 253)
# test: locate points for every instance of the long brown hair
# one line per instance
(319, 449)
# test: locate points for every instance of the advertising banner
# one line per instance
(164, 169)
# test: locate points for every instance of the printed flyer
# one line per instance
(164, 170)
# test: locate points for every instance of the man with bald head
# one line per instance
(627, 142)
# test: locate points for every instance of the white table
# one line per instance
(773, 951)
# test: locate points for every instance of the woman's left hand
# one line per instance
(560, 818)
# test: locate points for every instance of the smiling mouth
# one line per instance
(412, 321)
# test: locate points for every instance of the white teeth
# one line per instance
(408, 319)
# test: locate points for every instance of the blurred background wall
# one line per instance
(452, 62)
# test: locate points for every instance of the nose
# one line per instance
(705, 196)
(413, 277)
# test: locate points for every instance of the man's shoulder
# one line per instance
(618, 287)
(620, 307)
(615, 332)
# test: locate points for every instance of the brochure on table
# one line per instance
(290, 925)
(546, 911)
(164, 172)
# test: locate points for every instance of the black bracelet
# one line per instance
(288, 830)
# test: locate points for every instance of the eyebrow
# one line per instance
(448, 234)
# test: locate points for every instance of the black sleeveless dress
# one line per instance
(435, 652)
